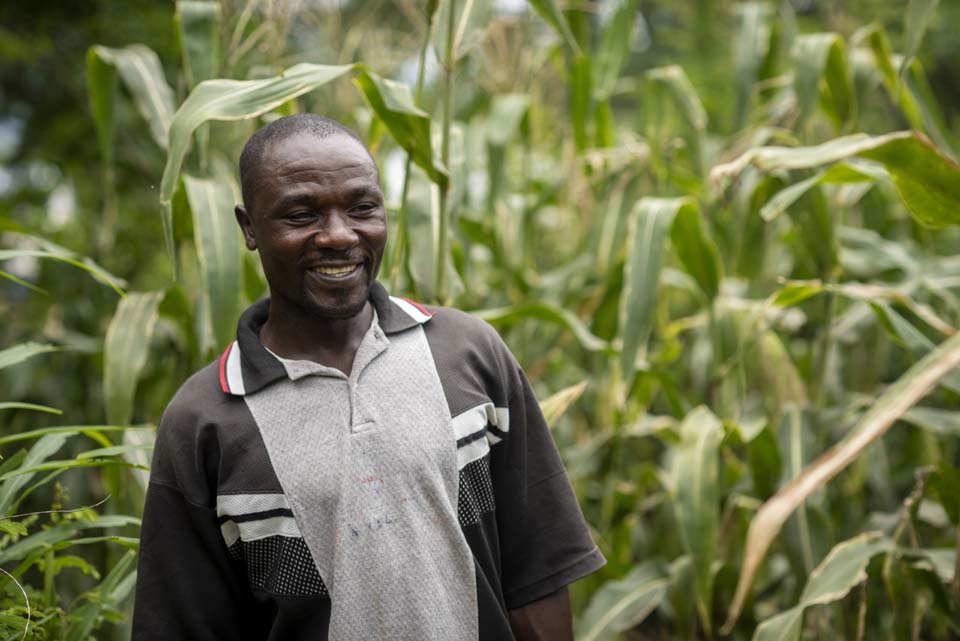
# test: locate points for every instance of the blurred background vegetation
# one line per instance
(690, 221)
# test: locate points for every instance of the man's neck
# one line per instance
(300, 335)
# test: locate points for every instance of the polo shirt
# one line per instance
(419, 497)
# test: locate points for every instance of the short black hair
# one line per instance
(280, 129)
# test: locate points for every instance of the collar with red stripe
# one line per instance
(247, 366)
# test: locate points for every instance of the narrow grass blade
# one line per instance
(125, 352)
(45, 539)
(43, 449)
(621, 605)
(220, 253)
(63, 256)
(20, 353)
(30, 407)
(899, 397)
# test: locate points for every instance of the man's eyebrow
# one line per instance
(361, 191)
(289, 200)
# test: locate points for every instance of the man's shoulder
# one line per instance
(462, 330)
(199, 400)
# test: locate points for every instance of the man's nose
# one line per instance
(336, 233)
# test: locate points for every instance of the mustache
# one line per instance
(333, 256)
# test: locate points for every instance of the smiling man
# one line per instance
(355, 466)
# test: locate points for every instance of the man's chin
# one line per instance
(340, 307)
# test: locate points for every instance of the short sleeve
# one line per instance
(544, 541)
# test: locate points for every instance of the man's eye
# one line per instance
(363, 208)
(300, 216)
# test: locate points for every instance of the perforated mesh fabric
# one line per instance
(476, 492)
(280, 565)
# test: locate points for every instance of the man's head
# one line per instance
(313, 208)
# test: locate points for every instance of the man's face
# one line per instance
(316, 216)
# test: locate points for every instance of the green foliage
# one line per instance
(721, 238)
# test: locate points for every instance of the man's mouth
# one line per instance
(335, 271)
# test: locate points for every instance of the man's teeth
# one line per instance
(335, 271)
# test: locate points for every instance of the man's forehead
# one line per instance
(335, 160)
(334, 150)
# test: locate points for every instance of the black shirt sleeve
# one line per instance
(544, 539)
(187, 587)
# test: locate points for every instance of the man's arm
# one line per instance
(548, 619)
(186, 587)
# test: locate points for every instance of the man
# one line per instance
(355, 466)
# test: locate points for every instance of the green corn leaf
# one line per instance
(125, 352)
(919, 14)
(550, 11)
(20, 353)
(844, 568)
(911, 338)
(927, 180)
(650, 222)
(750, 48)
(795, 292)
(684, 97)
(580, 84)
(621, 605)
(220, 253)
(549, 313)
(142, 74)
(197, 25)
(102, 93)
(506, 114)
(696, 479)
(932, 419)
(905, 90)
(220, 99)
(822, 76)
(614, 48)
(554, 406)
(895, 401)
(408, 124)
(470, 23)
(695, 249)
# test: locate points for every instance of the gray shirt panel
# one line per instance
(369, 466)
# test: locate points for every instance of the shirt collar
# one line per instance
(246, 366)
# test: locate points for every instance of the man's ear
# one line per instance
(246, 226)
